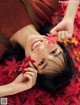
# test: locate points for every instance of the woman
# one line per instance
(53, 63)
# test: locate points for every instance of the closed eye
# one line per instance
(53, 51)
(42, 62)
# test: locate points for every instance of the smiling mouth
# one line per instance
(35, 44)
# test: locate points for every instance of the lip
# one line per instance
(35, 44)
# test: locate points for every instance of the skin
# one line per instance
(21, 83)
(42, 53)
(28, 80)
(66, 26)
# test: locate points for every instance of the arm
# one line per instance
(66, 26)
(6, 90)
(21, 83)
(71, 9)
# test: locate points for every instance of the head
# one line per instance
(48, 57)
(53, 63)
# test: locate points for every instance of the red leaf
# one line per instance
(25, 64)
(54, 20)
(51, 38)
(1, 73)
(11, 66)
(76, 100)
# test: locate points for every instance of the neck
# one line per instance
(22, 35)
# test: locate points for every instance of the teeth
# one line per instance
(37, 43)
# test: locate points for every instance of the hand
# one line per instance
(25, 81)
(64, 29)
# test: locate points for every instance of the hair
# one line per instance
(48, 82)
(54, 82)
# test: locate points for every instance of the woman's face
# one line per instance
(48, 58)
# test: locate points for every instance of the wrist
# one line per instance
(11, 89)
(14, 88)
(68, 19)
(69, 16)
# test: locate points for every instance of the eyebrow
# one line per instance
(47, 63)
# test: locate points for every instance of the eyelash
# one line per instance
(53, 51)
(43, 60)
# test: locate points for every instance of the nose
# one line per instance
(40, 52)
(43, 51)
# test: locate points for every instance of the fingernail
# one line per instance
(50, 32)
(23, 75)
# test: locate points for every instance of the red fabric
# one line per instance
(44, 9)
(13, 16)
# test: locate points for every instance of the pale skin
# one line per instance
(30, 75)
(65, 28)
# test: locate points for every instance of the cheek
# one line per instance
(27, 53)
(36, 58)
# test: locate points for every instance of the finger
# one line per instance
(63, 35)
(31, 69)
(55, 29)
(30, 73)
(31, 65)
(68, 35)
(55, 32)
(59, 35)
(33, 81)
(29, 76)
